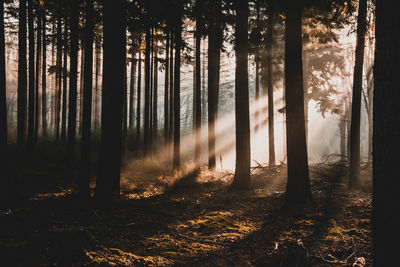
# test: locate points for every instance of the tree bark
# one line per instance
(271, 121)
(132, 93)
(177, 97)
(197, 95)
(139, 99)
(242, 115)
(354, 178)
(65, 80)
(386, 128)
(3, 84)
(166, 90)
(83, 183)
(58, 80)
(171, 90)
(146, 137)
(155, 93)
(108, 181)
(73, 78)
(31, 87)
(44, 78)
(298, 183)
(96, 85)
(37, 73)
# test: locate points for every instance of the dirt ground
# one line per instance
(163, 219)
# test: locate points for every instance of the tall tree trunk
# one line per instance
(242, 115)
(213, 77)
(58, 80)
(354, 178)
(65, 79)
(96, 85)
(81, 78)
(38, 72)
(53, 80)
(83, 183)
(44, 80)
(132, 93)
(108, 180)
(305, 88)
(3, 84)
(73, 77)
(31, 90)
(124, 150)
(386, 127)
(139, 99)
(147, 99)
(155, 93)
(298, 183)
(177, 97)
(171, 90)
(197, 95)
(257, 91)
(270, 84)
(166, 90)
(151, 91)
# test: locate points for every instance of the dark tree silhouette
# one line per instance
(298, 183)
(197, 82)
(166, 89)
(83, 184)
(354, 178)
(242, 117)
(147, 100)
(386, 128)
(3, 90)
(177, 91)
(22, 72)
(31, 87)
(73, 78)
(64, 82)
(37, 72)
(139, 99)
(44, 76)
(108, 179)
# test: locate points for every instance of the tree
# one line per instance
(3, 92)
(108, 180)
(242, 116)
(166, 89)
(31, 88)
(197, 92)
(57, 92)
(386, 128)
(354, 178)
(298, 182)
(213, 77)
(147, 100)
(38, 71)
(177, 91)
(139, 98)
(73, 78)
(44, 75)
(83, 183)
(64, 82)
(270, 85)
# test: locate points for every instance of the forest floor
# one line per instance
(162, 219)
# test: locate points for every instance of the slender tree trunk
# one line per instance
(177, 97)
(54, 80)
(305, 88)
(298, 183)
(73, 78)
(3, 83)
(38, 72)
(114, 82)
(242, 115)
(96, 85)
(81, 78)
(155, 94)
(31, 90)
(58, 80)
(132, 93)
(270, 84)
(354, 178)
(166, 90)
(197, 92)
(44, 80)
(139, 99)
(124, 150)
(65, 80)
(212, 85)
(147, 99)
(386, 127)
(257, 91)
(151, 91)
(83, 183)
(171, 91)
